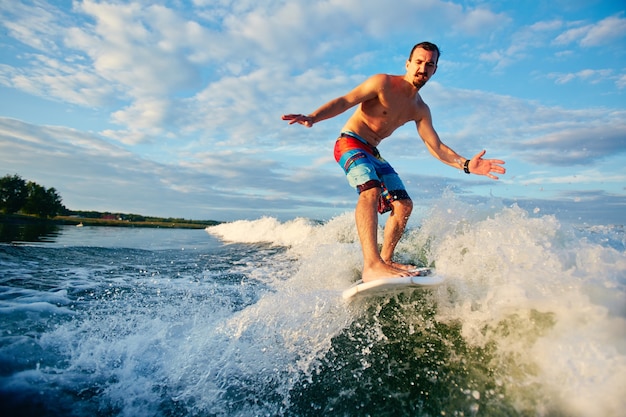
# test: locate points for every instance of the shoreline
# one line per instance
(20, 219)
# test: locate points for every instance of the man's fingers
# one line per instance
(480, 154)
(293, 118)
(297, 118)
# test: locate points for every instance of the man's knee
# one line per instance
(403, 207)
(370, 193)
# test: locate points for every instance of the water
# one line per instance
(246, 319)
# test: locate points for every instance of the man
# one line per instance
(387, 102)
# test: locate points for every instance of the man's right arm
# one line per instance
(326, 111)
(364, 91)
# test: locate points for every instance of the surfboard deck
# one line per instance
(426, 278)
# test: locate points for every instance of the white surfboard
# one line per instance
(427, 278)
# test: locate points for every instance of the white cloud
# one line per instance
(523, 40)
(480, 20)
(37, 26)
(579, 141)
(603, 32)
(590, 176)
(201, 90)
(526, 40)
(591, 75)
(92, 174)
(143, 59)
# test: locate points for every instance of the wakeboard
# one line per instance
(426, 278)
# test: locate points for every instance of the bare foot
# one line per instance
(383, 270)
(400, 266)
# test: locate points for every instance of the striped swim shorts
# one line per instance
(366, 169)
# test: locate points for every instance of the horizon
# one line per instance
(173, 110)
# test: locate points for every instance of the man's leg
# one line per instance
(394, 228)
(366, 216)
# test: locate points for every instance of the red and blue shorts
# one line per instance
(366, 169)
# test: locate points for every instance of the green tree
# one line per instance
(13, 193)
(41, 202)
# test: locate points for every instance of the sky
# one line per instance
(173, 108)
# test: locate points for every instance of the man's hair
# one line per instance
(428, 47)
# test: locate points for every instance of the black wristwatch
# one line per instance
(466, 166)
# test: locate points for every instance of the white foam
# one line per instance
(290, 327)
(550, 302)
(266, 229)
(560, 299)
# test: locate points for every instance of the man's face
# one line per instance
(421, 66)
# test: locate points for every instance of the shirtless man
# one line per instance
(387, 102)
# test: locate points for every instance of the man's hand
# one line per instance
(485, 167)
(298, 118)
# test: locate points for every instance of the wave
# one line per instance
(530, 321)
(546, 300)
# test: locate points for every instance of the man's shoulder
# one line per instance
(384, 76)
(382, 83)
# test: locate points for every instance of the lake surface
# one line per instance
(247, 319)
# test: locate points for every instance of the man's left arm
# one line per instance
(476, 165)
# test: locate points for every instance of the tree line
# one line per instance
(19, 196)
(30, 198)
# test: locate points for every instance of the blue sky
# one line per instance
(172, 108)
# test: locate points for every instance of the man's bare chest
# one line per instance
(394, 110)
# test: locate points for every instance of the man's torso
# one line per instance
(397, 103)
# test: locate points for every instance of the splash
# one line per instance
(548, 302)
(545, 306)
(530, 321)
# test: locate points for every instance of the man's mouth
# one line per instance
(420, 80)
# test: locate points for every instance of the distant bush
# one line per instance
(17, 195)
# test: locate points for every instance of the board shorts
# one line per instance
(366, 169)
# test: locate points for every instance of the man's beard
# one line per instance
(420, 81)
